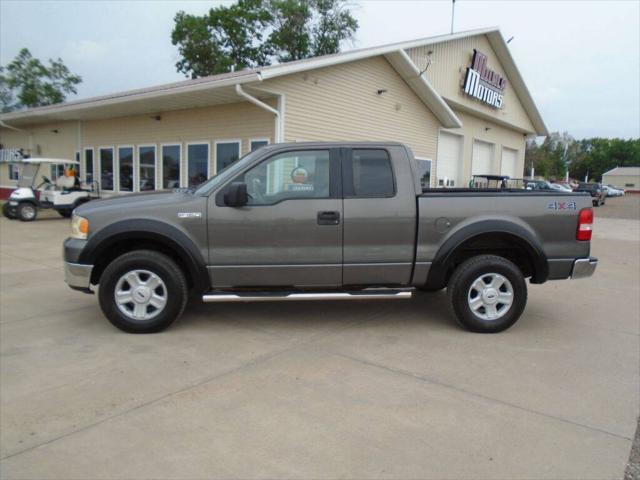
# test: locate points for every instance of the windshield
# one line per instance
(28, 174)
(205, 187)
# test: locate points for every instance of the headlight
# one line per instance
(79, 227)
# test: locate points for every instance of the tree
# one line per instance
(252, 33)
(589, 157)
(27, 82)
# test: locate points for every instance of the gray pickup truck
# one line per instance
(325, 221)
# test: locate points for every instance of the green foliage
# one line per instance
(253, 33)
(27, 82)
(588, 157)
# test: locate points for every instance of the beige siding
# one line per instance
(342, 103)
(486, 131)
(449, 62)
(55, 140)
(622, 181)
(238, 121)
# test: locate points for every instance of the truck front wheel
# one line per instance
(142, 292)
(487, 293)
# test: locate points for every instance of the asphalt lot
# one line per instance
(319, 390)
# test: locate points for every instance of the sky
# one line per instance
(580, 59)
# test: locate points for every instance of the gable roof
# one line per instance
(188, 93)
(623, 171)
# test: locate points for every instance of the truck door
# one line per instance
(290, 232)
(379, 216)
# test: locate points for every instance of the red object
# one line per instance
(585, 224)
(5, 192)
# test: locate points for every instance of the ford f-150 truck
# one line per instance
(325, 221)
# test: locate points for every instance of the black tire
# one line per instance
(459, 290)
(65, 213)
(27, 212)
(6, 211)
(160, 265)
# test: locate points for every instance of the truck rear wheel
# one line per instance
(487, 293)
(142, 292)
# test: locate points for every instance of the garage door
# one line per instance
(449, 166)
(509, 163)
(482, 160)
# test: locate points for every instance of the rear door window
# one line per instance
(369, 174)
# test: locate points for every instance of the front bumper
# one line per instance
(584, 267)
(77, 276)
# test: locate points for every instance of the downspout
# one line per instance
(276, 112)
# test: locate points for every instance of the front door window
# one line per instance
(291, 175)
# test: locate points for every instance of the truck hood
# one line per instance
(127, 204)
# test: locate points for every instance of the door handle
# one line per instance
(328, 218)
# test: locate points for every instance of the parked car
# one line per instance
(614, 191)
(561, 187)
(325, 221)
(538, 185)
(598, 194)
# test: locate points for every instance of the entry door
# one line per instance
(482, 161)
(449, 167)
(509, 162)
(379, 217)
(290, 233)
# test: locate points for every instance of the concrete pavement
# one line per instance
(318, 390)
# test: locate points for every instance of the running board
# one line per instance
(377, 294)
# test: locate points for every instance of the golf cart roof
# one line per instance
(49, 160)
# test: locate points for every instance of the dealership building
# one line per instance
(457, 100)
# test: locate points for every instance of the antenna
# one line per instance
(453, 13)
(509, 41)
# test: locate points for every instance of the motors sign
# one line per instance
(482, 83)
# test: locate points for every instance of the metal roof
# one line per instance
(623, 171)
(198, 92)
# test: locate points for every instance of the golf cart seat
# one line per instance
(64, 182)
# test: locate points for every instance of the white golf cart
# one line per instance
(63, 195)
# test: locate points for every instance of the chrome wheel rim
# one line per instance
(28, 212)
(490, 296)
(140, 295)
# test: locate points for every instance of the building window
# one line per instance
(88, 165)
(290, 175)
(107, 176)
(372, 174)
(125, 168)
(226, 154)
(197, 163)
(14, 172)
(147, 168)
(171, 166)
(424, 171)
(257, 143)
(77, 167)
(629, 185)
(57, 171)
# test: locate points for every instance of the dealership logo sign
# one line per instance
(482, 83)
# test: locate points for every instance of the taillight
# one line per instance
(585, 224)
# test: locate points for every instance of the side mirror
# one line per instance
(236, 195)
